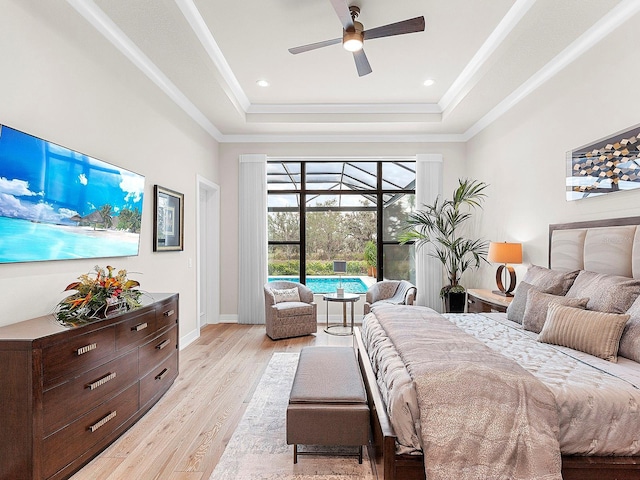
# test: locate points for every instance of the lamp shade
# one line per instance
(339, 266)
(504, 252)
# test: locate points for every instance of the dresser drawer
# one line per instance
(135, 329)
(157, 350)
(79, 354)
(67, 444)
(159, 379)
(166, 314)
(66, 402)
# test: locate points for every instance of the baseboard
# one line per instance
(229, 318)
(189, 338)
(233, 318)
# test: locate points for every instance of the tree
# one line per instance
(105, 212)
(440, 225)
(130, 220)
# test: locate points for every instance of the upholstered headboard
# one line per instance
(609, 246)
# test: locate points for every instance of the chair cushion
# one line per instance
(293, 309)
(286, 295)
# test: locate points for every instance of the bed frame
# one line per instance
(571, 247)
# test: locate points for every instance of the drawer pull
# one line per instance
(101, 381)
(87, 348)
(168, 313)
(101, 422)
(162, 374)
(160, 346)
(140, 326)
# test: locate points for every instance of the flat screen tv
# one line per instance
(59, 204)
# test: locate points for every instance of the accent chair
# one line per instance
(289, 313)
(395, 292)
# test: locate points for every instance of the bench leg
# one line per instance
(360, 454)
(295, 453)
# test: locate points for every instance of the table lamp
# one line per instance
(340, 267)
(505, 253)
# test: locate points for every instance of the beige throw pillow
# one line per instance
(630, 341)
(286, 295)
(515, 310)
(556, 282)
(607, 293)
(596, 333)
(535, 313)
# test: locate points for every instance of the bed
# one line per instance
(565, 432)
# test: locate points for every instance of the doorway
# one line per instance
(208, 248)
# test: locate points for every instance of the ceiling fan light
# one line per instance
(352, 41)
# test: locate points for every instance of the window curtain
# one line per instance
(252, 230)
(429, 275)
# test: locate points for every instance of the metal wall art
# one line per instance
(606, 166)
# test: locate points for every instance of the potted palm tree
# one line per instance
(371, 257)
(441, 225)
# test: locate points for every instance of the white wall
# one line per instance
(51, 87)
(453, 168)
(522, 155)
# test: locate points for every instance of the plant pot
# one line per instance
(454, 302)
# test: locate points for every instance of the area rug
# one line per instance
(258, 449)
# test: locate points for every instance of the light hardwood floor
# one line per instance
(184, 434)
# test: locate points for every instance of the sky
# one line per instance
(43, 181)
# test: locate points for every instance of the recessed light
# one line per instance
(428, 82)
(262, 83)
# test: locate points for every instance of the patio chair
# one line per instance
(289, 313)
(395, 292)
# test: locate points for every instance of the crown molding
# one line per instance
(460, 87)
(318, 112)
(230, 83)
(103, 24)
(623, 12)
(347, 138)
(346, 108)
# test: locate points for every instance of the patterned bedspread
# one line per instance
(597, 413)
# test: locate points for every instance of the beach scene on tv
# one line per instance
(58, 204)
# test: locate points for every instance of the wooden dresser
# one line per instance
(67, 393)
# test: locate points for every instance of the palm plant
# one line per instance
(440, 225)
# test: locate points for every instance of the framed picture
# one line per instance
(168, 215)
(611, 164)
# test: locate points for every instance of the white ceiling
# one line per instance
(484, 56)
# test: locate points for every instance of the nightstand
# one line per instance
(479, 301)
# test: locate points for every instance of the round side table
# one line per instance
(340, 329)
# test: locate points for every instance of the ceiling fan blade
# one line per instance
(399, 28)
(342, 9)
(362, 63)
(313, 46)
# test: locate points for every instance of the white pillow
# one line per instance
(286, 295)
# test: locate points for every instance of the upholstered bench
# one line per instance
(328, 402)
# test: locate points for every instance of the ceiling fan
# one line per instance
(354, 35)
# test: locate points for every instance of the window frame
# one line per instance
(303, 192)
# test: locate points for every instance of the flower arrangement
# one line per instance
(99, 295)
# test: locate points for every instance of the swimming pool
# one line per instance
(328, 284)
